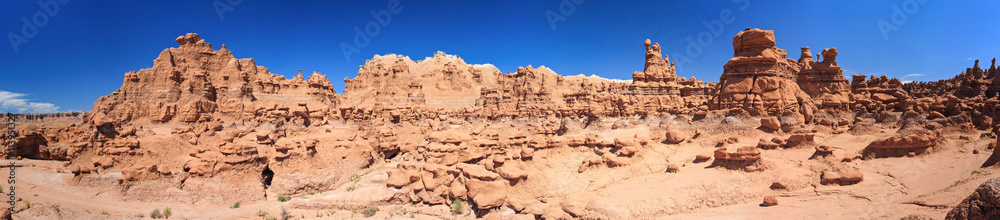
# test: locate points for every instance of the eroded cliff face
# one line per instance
(225, 130)
(194, 83)
(441, 81)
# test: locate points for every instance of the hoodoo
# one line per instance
(760, 80)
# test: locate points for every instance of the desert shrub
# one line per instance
(105, 212)
(284, 213)
(456, 206)
(167, 212)
(156, 214)
(282, 198)
(236, 205)
(351, 187)
(369, 212)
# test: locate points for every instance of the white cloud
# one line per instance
(13, 101)
(913, 75)
(906, 81)
(970, 58)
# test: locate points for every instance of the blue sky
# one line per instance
(82, 50)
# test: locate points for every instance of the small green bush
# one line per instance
(456, 206)
(236, 205)
(261, 213)
(282, 198)
(105, 212)
(167, 212)
(369, 212)
(351, 187)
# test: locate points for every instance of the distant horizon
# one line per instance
(61, 56)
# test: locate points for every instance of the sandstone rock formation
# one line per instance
(824, 81)
(841, 176)
(541, 92)
(982, 204)
(440, 130)
(760, 80)
(909, 139)
(745, 158)
(440, 81)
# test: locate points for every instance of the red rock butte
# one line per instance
(215, 129)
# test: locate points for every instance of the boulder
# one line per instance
(770, 123)
(983, 203)
(674, 136)
(769, 201)
(841, 177)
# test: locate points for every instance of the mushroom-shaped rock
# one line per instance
(822, 151)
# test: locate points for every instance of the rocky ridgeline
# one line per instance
(468, 131)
